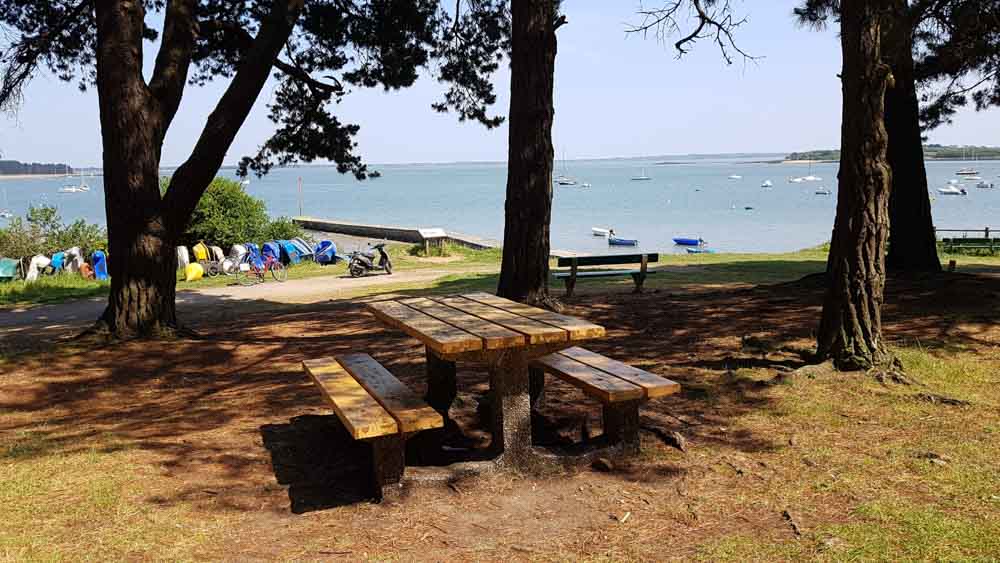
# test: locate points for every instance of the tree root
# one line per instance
(941, 400)
(546, 301)
(101, 333)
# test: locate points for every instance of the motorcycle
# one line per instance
(361, 263)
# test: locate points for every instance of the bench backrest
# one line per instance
(606, 259)
(965, 240)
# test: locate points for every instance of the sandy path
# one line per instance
(48, 321)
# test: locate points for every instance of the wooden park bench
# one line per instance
(574, 262)
(964, 243)
(620, 387)
(375, 407)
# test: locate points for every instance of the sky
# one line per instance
(616, 95)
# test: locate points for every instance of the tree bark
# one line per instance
(850, 330)
(142, 261)
(143, 227)
(524, 273)
(912, 241)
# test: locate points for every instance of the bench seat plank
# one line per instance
(361, 415)
(606, 259)
(494, 336)
(652, 385)
(578, 329)
(537, 332)
(438, 335)
(411, 413)
(592, 381)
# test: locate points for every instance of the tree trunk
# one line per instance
(912, 241)
(850, 330)
(142, 260)
(524, 274)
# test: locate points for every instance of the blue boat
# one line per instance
(699, 251)
(615, 241)
(689, 241)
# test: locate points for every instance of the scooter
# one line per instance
(363, 262)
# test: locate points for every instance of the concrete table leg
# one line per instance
(511, 424)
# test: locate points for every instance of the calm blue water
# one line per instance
(692, 196)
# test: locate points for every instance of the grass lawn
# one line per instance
(202, 449)
(673, 272)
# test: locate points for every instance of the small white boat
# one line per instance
(984, 185)
(600, 232)
(5, 211)
(811, 178)
(585, 185)
(735, 177)
(952, 190)
(767, 184)
(823, 191)
(967, 172)
(641, 177)
(564, 181)
(245, 182)
(796, 180)
(973, 178)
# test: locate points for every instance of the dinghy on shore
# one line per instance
(600, 232)
(615, 241)
(699, 251)
(680, 241)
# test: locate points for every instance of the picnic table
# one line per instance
(504, 335)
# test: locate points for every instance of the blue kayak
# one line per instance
(615, 241)
(689, 241)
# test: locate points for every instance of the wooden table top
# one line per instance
(480, 321)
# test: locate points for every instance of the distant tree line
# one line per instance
(931, 151)
(10, 167)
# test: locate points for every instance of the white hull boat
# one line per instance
(600, 232)
(951, 190)
(767, 184)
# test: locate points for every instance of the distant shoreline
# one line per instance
(32, 176)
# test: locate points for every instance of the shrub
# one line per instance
(41, 231)
(227, 215)
(282, 228)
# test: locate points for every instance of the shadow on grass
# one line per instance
(204, 408)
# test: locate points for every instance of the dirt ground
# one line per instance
(224, 442)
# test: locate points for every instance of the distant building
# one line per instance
(11, 167)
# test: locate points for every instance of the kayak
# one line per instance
(699, 251)
(615, 241)
(689, 241)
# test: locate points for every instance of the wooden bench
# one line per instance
(620, 387)
(574, 262)
(375, 407)
(964, 243)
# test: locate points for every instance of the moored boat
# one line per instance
(600, 231)
(681, 241)
(967, 172)
(699, 251)
(951, 190)
(615, 241)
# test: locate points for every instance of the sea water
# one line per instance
(685, 197)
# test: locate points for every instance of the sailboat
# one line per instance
(641, 177)
(767, 184)
(5, 212)
(563, 179)
(69, 188)
(810, 177)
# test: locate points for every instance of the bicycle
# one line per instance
(252, 271)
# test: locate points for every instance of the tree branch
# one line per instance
(22, 58)
(719, 23)
(174, 58)
(192, 178)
